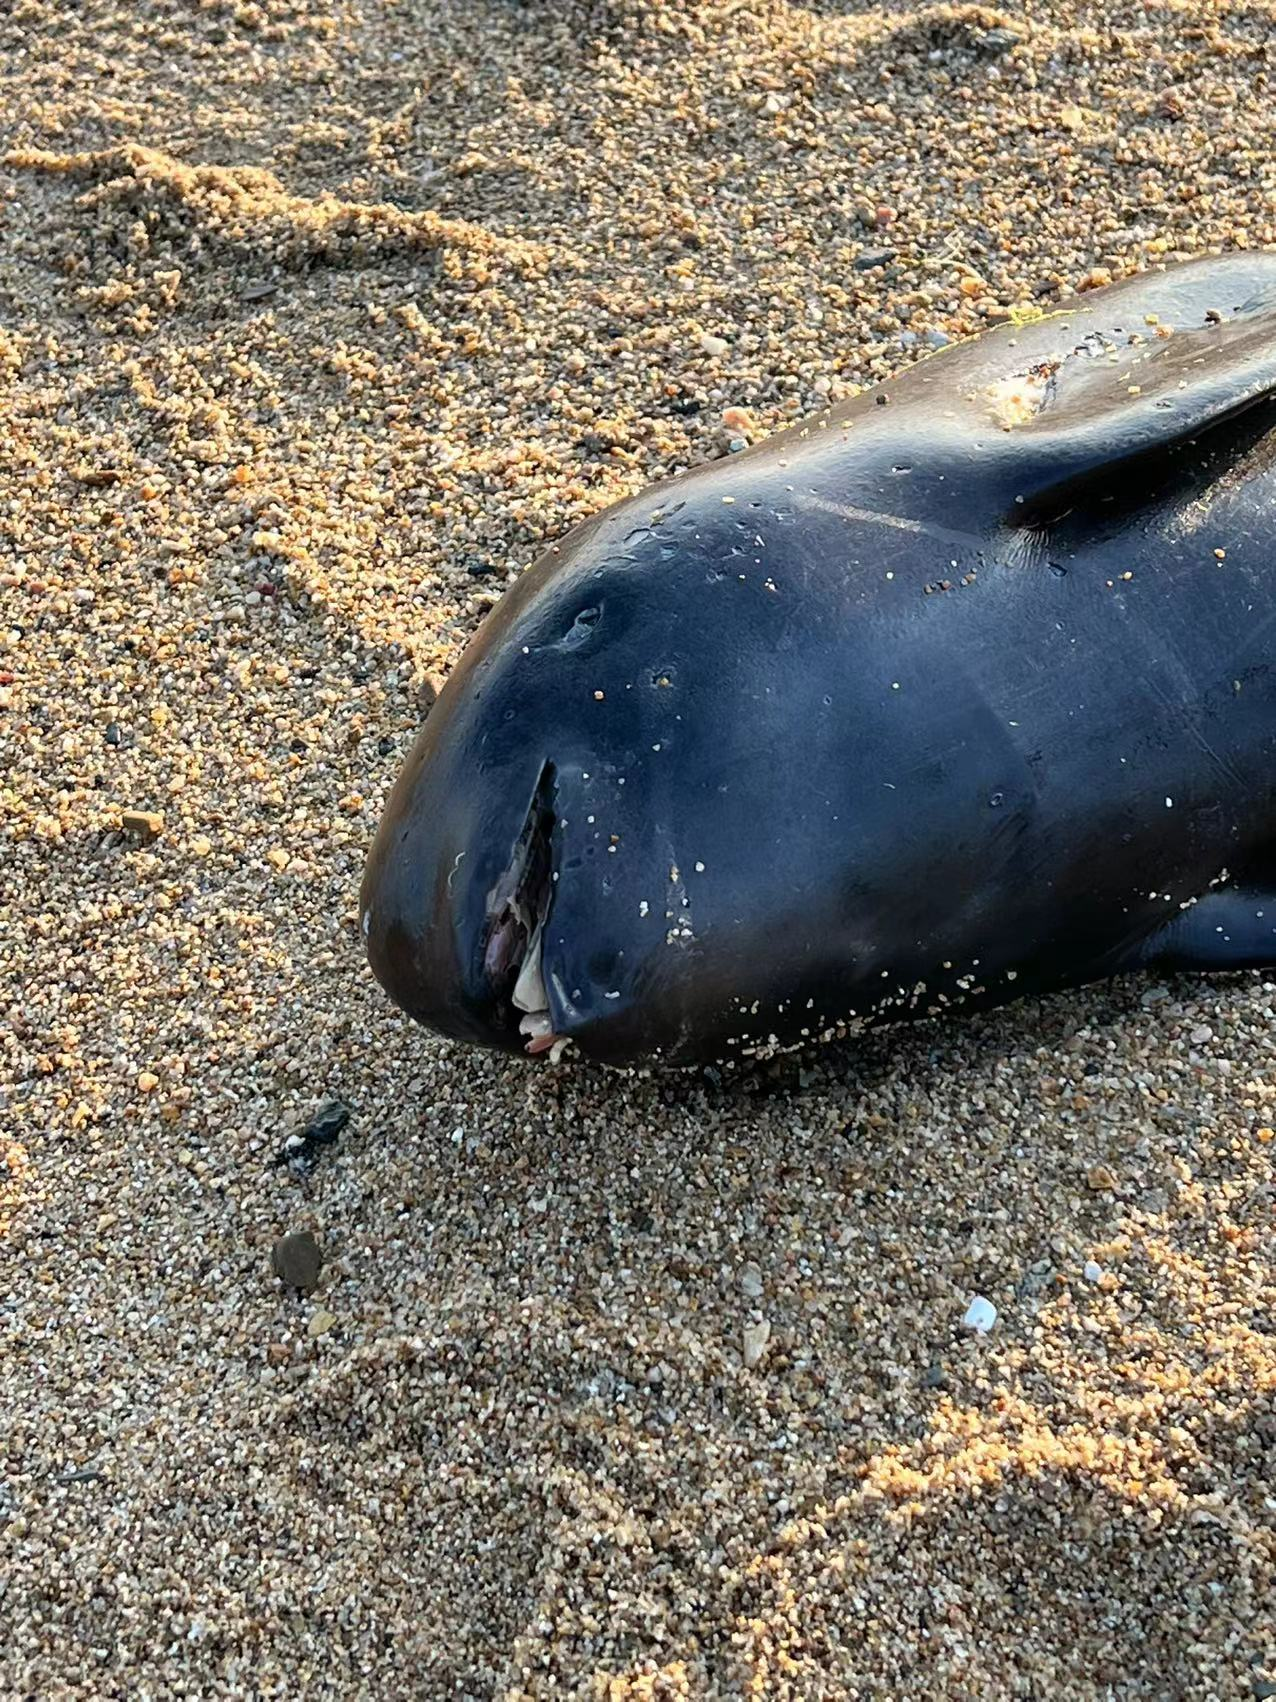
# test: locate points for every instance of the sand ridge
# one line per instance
(317, 322)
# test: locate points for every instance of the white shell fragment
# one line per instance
(981, 1315)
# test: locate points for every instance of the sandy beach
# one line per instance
(318, 321)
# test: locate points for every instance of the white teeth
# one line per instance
(529, 989)
(531, 998)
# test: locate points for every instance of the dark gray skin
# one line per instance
(961, 690)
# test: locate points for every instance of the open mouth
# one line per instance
(517, 907)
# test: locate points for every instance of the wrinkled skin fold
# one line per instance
(961, 690)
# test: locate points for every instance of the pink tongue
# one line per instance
(541, 1043)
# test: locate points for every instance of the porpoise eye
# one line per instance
(581, 628)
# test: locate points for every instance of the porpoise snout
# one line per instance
(456, 891)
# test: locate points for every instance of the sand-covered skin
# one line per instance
(316, 322)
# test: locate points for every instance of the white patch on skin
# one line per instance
(367, 923)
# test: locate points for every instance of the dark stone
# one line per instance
(113, 733)
(327, 1122)
(867, 258)
(299, 1149)
(297, 1260)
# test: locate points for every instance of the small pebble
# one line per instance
(297, 1260)
(757, 1338)
(142, 825)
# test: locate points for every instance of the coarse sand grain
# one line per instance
(317, 321)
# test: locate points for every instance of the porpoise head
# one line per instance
(625, 822)
(720, 772)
